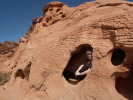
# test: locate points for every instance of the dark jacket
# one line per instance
(86, 65)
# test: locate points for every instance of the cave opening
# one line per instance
(78, 57)
(124, 85)
(118, 56)
(20, 74)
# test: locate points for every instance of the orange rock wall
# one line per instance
(41, 58)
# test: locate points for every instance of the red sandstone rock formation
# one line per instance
(7, 50)
(57, 42)
(8, 46)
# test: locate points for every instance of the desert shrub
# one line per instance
(4, 77)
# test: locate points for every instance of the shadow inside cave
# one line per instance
(124, 86)
(20, 74)
(77, 59)
(118, 56)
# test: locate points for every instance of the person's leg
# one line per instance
(69, 74)
(72, 74)
(81, 77)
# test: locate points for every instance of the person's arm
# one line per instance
(85, 72)
(80, 68)
(77, 72)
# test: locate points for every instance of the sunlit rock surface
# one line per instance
(51, 43)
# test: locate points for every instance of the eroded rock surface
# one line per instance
(8, 46)
(7, 50)
(58, 39)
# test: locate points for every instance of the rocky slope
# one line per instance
(7, 50)
(58, 41)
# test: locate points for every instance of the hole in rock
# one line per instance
(61, 12)
(50, 9)
(63, 16)
(57, 10)
(78, 58)
(27, 70)
(47, 20)
(118, 57)
(125, 85)
(20, 73)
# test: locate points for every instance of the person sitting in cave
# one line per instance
(85, 68)
(82, 71)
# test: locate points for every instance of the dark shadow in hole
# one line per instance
(118, 56)
(27, 70)
(124, 86)
(63, 16)
(50, 9)
(77, 59)
(57, 10)
(20, 73)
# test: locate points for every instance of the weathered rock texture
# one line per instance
(8, 46)
(7, 50)
(59, 39)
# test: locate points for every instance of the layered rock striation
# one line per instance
(8, 46)
(7, 50)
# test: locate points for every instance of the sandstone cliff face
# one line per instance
(58, 41)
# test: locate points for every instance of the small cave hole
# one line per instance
(63, 16)
(50, 9)
(78, 57)
(44, 25)
(57, 10)
(20, 73)
(27, 70)
(118, 56)
(50, 18)
(47, 20)
(61, 12)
